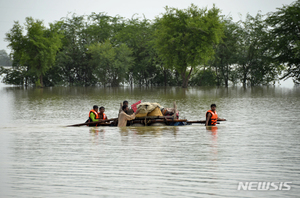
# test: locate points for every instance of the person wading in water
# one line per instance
(102, 115)
(212, 116)
(124, 117)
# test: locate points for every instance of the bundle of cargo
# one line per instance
(148, 109)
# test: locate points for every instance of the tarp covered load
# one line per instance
(149, 109)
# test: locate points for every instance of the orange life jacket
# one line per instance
(214, 117)
(96, 114)
(104, 116)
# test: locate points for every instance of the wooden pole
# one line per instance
(201, 121)
(175, 109)
(92, 123)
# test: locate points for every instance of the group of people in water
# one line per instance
(95, 115)
(126, 114)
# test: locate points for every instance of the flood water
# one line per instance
(40, 157)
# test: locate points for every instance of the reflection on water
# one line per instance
(42, 158)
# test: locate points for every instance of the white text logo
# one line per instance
(264, 186)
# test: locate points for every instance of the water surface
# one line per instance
(40, 157)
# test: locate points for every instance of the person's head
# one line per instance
(125, 102)
(125, 108)
(213, 107)
(101, 109)
(95, 107)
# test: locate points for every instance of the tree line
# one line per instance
(182, 47)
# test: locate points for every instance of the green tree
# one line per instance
(226, 52)
(72, 59)
(204, 77)
(110, 63)
(255, 64)
(4, 58)
(13, 76)
(185, 38)
(137, 35)
(79, 33)
(37, 48)
(285, 34)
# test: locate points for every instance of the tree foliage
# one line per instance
(110, 63)
(4, 59)
(285, 34)
(182, 47)
(226, 52)
(185, 38)
(37, 49)
(253, 62)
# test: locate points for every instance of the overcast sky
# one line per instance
(53, 10)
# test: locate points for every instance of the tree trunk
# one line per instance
(226, 77)
(226, 82)
(218, 77)
(165, 77)
(41, 81)
(185, 79)
(244, 76)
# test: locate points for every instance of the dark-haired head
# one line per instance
(101, 108)
(124, 107)
(95, 107)
(213, 105)
(125, 102)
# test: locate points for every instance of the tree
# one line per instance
(110, 63)
(226, 52)
(204, 77)
(4, 58)
(185, 38)
(285, 32)
(79, 33)
(72, 58)
(37, 48)
(255, 65)
(14, 76)
(137, 35)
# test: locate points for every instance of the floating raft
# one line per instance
(143, 121)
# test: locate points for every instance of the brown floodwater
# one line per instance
(40, 157)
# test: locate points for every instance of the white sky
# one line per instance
(53, 10)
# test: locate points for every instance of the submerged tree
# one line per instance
(4, 58)
(285, 34)
(227, 52)
(37, 49)
(255, 65)
(185, 38)
(137, 34)
(110, 63)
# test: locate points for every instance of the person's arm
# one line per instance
(129, 117)
(132, 116)
(207, 119)
(221, 119)
(93, 117)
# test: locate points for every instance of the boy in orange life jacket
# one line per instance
(212, 116)
(102, 115)
(93, 114)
